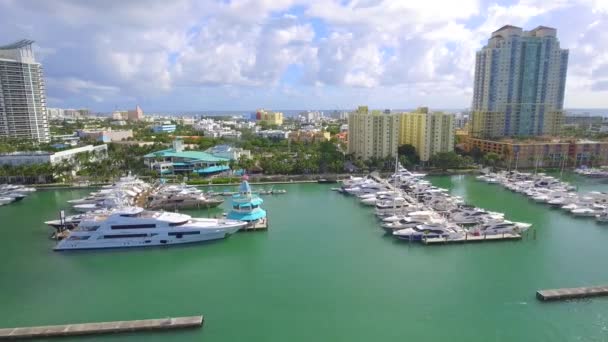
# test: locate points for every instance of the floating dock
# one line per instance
(572, 293)
(101, 328)
(251, 227)
(472, 238)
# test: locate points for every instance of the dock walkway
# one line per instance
(572, 293)
(473, 238)
(101, 328)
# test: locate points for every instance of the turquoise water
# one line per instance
(323, 271)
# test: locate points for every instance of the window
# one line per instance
(184, 233)
(124, 236)
(134, 226)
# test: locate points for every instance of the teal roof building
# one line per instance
(176, 160)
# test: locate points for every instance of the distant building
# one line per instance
(40, 157)
(165, 127)
(178, 160)
(309, 136)
(372, 134)
(135, 115)
(520, 79)
(270, 118)
(275, 134)
(428, 132)
(583, 121)
(229, 152)
(105, 135)
(22, 94)
(120, 115)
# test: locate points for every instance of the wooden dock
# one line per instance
(472, 238)
(101, 328)
(572, 293)
(260, 225)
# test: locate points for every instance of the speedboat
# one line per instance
(6, 200)
(136, 227)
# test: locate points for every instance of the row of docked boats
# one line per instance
(547, 189)
(10, 193)
(410, 208)
(132, 226)
(592, 172)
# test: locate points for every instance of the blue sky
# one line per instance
(289, 54)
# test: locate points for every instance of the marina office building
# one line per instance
(22, 94)
(178, 160)
(520, 78)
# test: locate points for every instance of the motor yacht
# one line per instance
(428, 231)
(500, 227)
(135, 227)
(584, 212)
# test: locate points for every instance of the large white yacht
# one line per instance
(135, 227)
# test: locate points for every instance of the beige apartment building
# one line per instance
(373, 134)
(428, 132)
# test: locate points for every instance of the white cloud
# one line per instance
(406, 53)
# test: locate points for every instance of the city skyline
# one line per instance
(191, 56)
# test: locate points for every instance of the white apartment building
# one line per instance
(40, 157)
(22, 94)
(372, 134)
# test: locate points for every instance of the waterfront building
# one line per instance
(179, 160)
(269, 118)
(246, 206)
(372, 134)
(42, 157)
(428, 132)
(105, 135)
(165, 127)
(229, 152)
(135, 115)
(547, 152)
(22, 94)
(520, 77)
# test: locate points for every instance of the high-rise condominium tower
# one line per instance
(22, 96)
(520, 78)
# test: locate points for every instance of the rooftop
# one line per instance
(17, 45)
(198, 155)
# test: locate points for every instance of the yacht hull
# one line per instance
(143, 242)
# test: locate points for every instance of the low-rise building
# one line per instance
(179, 160)
(95, 152)
(543, 153)
(229, 152)
(165, 127)
(275, 134)
(105, 134)
(309, 136)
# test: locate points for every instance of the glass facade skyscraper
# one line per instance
(22, 94)
(520, 77)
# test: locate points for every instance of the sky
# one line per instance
(189, 55)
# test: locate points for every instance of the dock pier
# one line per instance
(101, 328)
(255, 226)
(472, 238)
(572, 293)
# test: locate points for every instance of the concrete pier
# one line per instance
(473, 238)
(572, 293)
(101, 328)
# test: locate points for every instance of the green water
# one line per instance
(324, 271)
